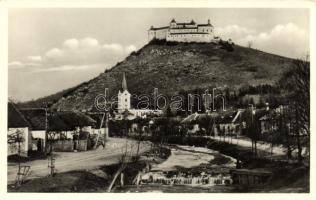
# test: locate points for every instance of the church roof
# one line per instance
(124, 84)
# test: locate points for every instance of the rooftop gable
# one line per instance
(15, 117)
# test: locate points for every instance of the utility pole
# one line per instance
(252, 127)
(46, 129)
(106, 127)
(51, 161)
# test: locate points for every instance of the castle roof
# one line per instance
(182, 25)
(159, 28)
(205, 25)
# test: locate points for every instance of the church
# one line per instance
(183, 32)
(124, 105)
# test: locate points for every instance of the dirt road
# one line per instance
(69, 161)
(245, 142)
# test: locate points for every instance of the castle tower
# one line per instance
(173, 23)
(124, 97)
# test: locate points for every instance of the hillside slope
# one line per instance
(171, 67)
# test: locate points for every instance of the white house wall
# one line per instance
(25, 145)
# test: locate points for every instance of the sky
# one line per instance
(51, 49)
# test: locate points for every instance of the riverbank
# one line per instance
(213, 158)
(287, 176)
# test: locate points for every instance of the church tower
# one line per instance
(124, 97)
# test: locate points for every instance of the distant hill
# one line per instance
(172, 67)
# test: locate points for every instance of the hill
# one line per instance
(172, 67)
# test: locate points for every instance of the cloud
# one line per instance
(16, 64)
(21, 65)
(233, 32)
(283, 39)
(35, 58)
(71, 43)
(76, 54)
(86, 51)
(54, 53)
(64, 68)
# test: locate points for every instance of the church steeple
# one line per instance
(124, 84)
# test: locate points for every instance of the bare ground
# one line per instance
(75, 161)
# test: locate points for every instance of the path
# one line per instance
(245, 142)
(69, 161)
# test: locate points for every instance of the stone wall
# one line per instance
(189, 38)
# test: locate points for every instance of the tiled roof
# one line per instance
(35, 117)
(15, 117)
(76, 119)
(99, 118)
(58, 121)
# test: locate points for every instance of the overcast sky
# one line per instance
(54, 49)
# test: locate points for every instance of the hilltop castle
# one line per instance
(183, 32)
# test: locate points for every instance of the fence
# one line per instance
(63, 145)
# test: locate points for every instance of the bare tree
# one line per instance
(13, 139)
(123, 161)
(296, 83)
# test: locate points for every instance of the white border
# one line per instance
(6, 4)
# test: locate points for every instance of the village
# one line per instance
(40, 133)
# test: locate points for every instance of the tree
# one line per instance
(249, 44)
(13, 139)
(274, 135)
(123, 161)
(296, 85)
(140, 131)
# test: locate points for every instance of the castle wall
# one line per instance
(187, 30)
(205, 29)
(189, 37)
(158, 34)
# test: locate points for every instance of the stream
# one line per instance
(187, 169)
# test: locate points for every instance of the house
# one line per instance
(100, 127)
(18, 130)
(198, 122)
(251, 119)
(268, 123)
(41, 120)
(191, 123)
(63, 125)
(229, 123)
